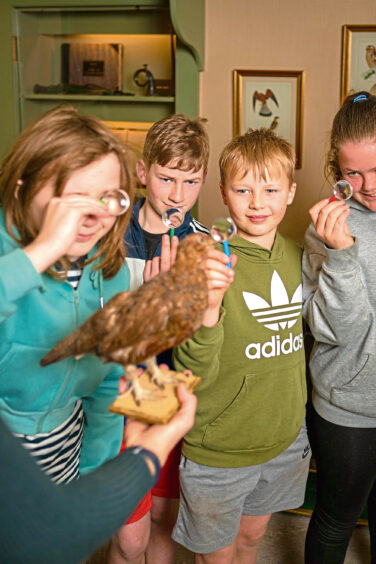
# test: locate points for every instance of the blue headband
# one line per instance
(360, 98)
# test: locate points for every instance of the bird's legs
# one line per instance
(158, 377)
(138, 392)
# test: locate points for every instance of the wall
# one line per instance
(277, 35)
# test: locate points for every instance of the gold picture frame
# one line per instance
(358, 59)
(271, 99)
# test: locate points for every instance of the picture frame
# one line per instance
(92, 64)
(358, 59)
(271, 99)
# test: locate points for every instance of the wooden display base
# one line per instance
(160, 409)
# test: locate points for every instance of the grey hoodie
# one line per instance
(339, 294)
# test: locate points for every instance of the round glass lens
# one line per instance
(173, 218)
(223, 229)
(117, 201)
(343, 190)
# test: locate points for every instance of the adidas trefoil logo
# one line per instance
(281, 313)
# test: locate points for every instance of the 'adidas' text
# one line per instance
(274, 347)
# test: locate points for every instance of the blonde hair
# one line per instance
(179, 140)
(60, 142)
(259, 150)
(355, 121)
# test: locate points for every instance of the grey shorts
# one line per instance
(212, 500)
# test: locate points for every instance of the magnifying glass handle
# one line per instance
(226, 250)
(332, 199)
(172, 233)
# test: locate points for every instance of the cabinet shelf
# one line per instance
(167, 35)
(104, 99)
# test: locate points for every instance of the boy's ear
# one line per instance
(291, 195)
(142, 171)
(223, 193)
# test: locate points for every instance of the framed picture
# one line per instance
(358, 59)
(271, 99)
(88, 64)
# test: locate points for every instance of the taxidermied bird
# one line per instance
(371, 61)
(274, 123)
(263, 97)
(133, 327)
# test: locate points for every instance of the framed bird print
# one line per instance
(358, 59)
(271, 99)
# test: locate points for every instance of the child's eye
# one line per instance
(352, 173)
(271, 190)
(242, 191)
(191, 182)
(165, 179)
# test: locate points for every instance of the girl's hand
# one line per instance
(62, 221)
(329, 219)
(219, 277)
(165, 261)
(161, 439)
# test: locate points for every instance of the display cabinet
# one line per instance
(87, 53)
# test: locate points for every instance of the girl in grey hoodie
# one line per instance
(339, 276)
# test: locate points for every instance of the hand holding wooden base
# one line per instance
(160, 409)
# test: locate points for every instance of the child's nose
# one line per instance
(90, 220)
(369, 184)
(256, 201)
(176, 193)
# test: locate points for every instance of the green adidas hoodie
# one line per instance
(251, 401)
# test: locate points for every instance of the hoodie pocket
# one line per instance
(266, 411)
(358, 395)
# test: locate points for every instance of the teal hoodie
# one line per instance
(36, 312)
(251, 401)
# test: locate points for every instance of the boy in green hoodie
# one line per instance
(247, 455)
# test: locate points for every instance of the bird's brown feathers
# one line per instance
(162, 313)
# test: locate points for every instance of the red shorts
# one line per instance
(168, 485)
(142, 509)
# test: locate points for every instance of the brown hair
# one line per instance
(260, 150)
(355, 121)
(179, 140)
(60, 142)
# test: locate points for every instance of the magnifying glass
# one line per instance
(117, 201)
(222, 230)
(173, 218)
(342, 190)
